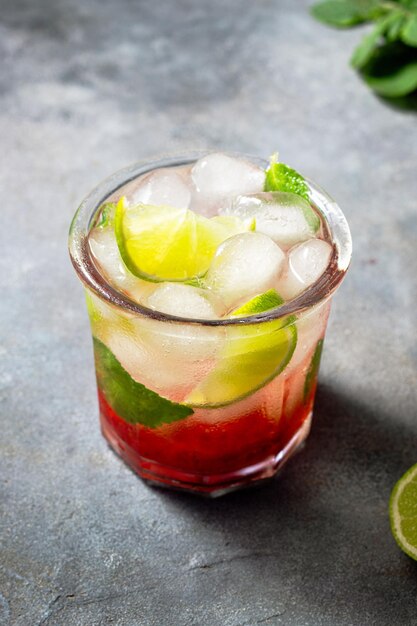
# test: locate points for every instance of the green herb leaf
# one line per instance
(392, 71)
(342, 13)
(131, 400)
(107, 213)
(366, 48)
(363, 53)
(313, 370)
(394, 28)
(409, 4)
(409, 31)
(280, 177)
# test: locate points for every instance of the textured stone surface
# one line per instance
(86, 88)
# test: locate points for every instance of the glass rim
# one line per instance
(89, 274)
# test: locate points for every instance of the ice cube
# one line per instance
(163, 186)
(311, 327)
(105, 250)
(148, 365)
(186, 343)
(294, 391)
(104, 247)
(285, 217)
(245, 265)
(306, 263)
(185, 301)
(99, 310)
(220, 175)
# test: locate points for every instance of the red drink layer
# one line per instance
(215, 449)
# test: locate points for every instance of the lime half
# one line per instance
(160, 243)
(403, 512)
(251, 357)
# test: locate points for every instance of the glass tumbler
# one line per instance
(202, 447)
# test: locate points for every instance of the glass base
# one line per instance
(206, 485)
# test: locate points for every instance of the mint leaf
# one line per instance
(132, 401)
(392, 71)
(342, 13)
(409, 4)
(363, 53)
(313, 370)
(389, 73)
(107, 213)
(281, 177)
(393, 31)
(409, 31)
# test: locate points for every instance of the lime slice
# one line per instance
(160, 243)
(265, 301)
(251, 357)
(403, 512)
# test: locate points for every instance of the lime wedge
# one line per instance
(160, 243)
(251, 357)
(265, 301)
(403, 512)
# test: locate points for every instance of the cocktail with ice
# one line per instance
(208, 284)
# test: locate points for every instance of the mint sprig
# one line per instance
(132, 401)
(281, 177)
(386, 58)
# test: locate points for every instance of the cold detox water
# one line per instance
(208, 285)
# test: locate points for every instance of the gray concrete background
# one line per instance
(89, 87)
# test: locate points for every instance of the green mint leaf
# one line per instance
(363, 53)
(392, 71)
(409, 4)
(341, 13)
(385, 57)
(409, 31)
(131, 400)
(393, 31)
(400, 83)
(280, 177)
(107, 213)
(313, 370)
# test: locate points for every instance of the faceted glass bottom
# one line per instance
(205, 484)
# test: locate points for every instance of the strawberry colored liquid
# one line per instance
(216, 449)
